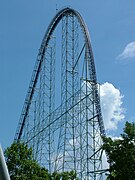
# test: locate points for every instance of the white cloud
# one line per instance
(111, 105)
(104, 161)
(115, 137)
(128, 52)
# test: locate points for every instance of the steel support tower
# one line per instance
(61, 117)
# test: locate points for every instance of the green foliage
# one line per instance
(70, 175)
(121, 154)
(21, 165)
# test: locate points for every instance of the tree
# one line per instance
(69, 175)
(21, 165)
(121, 154)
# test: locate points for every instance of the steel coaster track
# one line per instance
(58, 114)
(38, 65)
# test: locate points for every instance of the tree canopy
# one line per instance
(121, 154)
(21, 165)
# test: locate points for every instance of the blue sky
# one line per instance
(112, 29)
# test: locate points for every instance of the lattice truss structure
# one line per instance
(61, 117)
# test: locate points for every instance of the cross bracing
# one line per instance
(61, 117)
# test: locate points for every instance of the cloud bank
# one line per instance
(111, 105)
(128, 52)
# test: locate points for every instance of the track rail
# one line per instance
(38, 65)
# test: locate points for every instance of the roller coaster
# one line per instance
(61, 118)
